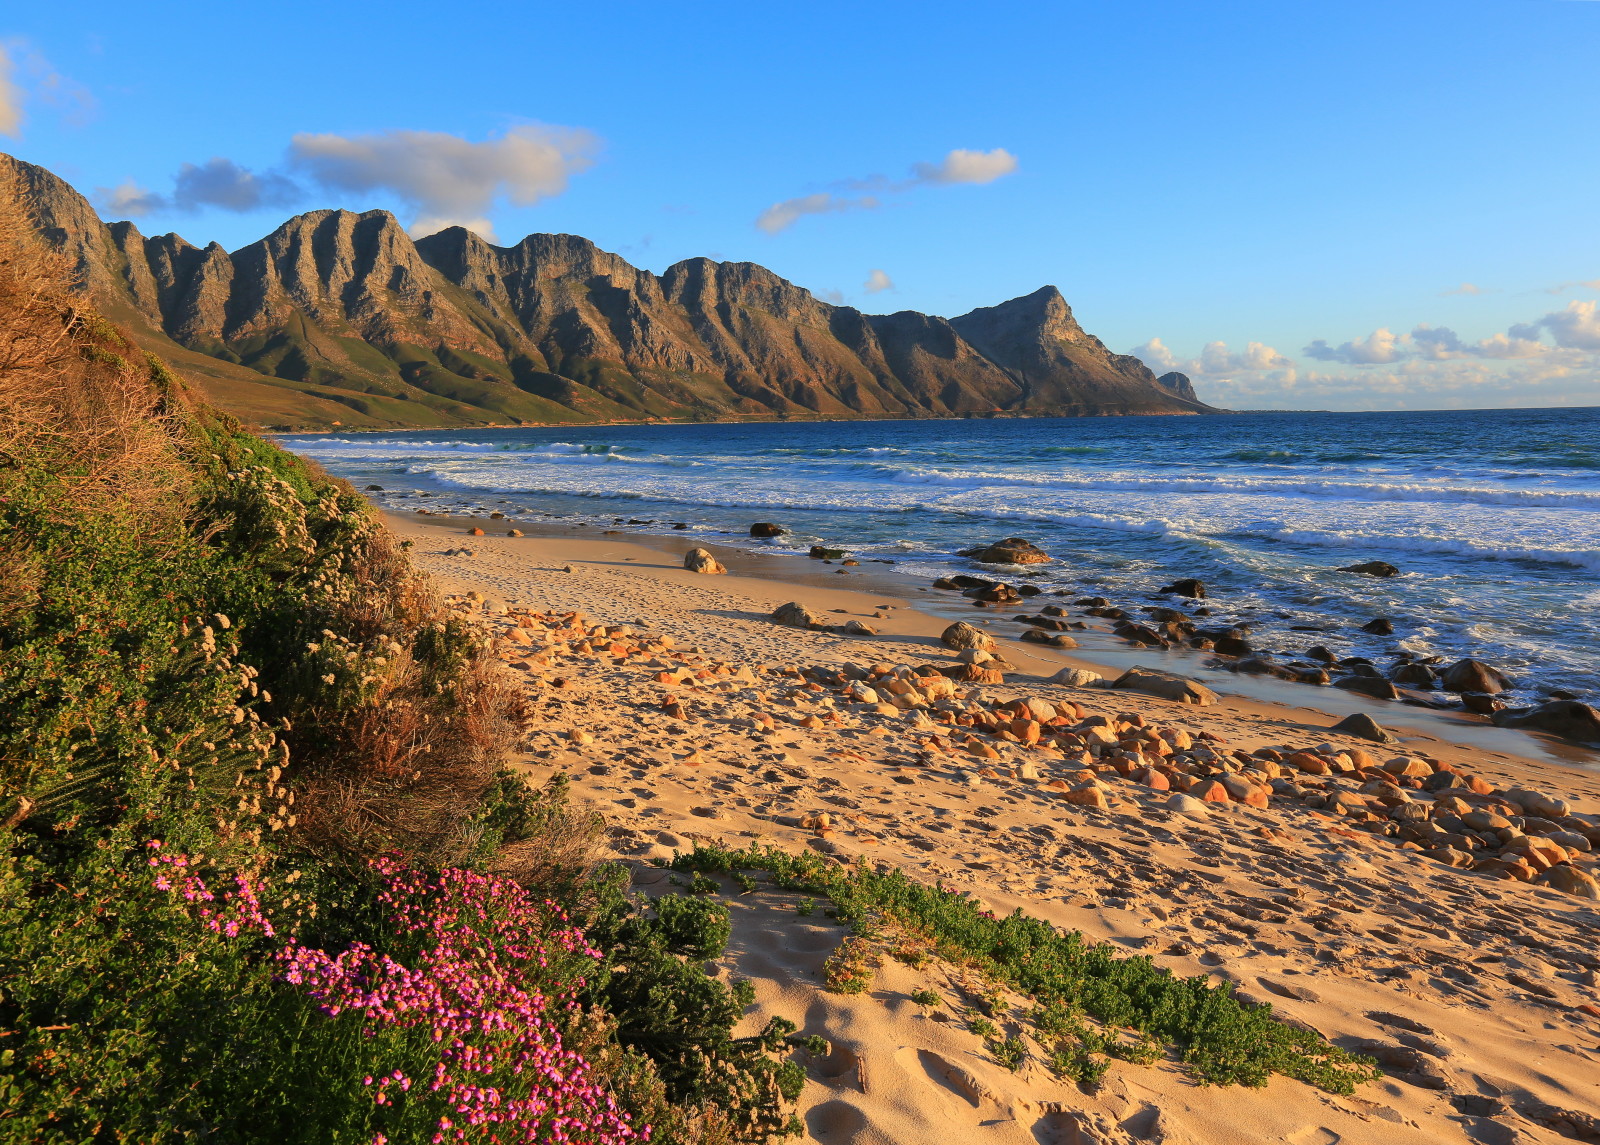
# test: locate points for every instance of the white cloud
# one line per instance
(448, 180)
(1576, 327)
(781, 216)
(1155, 354)
(877, 281)
(1375, 348)
(26, 76)
(1563, 287)
(958, 166)
(10, 96)
(1215, 360)
(1467, 288)
(128, 200)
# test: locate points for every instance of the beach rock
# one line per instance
(1011, 551)
(796, 615)
(856, 628)
(1362, 726)
(475, 531)
(961, 635)
(1473, 676)
(1076, 677)
(767, 529)
(1375, 686)
(513, 532)
(1372, 568)
(1164, 685)
(1053, 639)
(1537, 803)
(374, 488)
(1233, 646)
(701, 561)
(1088, 794)
(1181, 804)
(1412, 675)
(1571, 719)
(1382, 626)
(823, 553)
(1567, 878)
(1188, 586)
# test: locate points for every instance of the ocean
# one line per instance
(1493, 516)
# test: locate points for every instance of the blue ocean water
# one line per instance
(1494, 515)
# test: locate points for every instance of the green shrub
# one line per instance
(1222, 1040)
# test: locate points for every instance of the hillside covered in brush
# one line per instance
(339, 317)
(264, 874)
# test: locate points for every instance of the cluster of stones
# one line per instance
(1411, 678)
(1087, 760)
(1422, 804)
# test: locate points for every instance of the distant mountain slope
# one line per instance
(341, 318)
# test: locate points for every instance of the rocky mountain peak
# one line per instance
(342, 316)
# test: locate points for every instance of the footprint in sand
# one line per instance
(835, 1121)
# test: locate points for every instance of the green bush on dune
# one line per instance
(1222, 1040)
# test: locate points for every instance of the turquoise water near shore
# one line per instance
(1493, 515)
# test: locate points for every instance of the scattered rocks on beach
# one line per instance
(701, 561)
(767, 529)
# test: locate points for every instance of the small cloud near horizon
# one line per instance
(1467, 288)
(877, 281)
(957, 167)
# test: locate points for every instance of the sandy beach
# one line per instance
(1474, 989)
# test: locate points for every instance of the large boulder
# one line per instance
(1164, 685)
(1011, 551)
(701, 561)
(1372, 568)
(1188, 586)
(1363, 726)
(1076, 677)
(797, 615)
(1375, 686)
(962, 636)
(1572, 881)
(1571, 719)
(1381, 626)
(1473, 676)
(767, 529)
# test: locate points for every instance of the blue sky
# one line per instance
(1354, 205)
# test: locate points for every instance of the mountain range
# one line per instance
(342, 319)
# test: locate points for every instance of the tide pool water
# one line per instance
(1493, 515)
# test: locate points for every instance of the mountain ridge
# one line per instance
(339, 318)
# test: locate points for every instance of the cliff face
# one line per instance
(348, 318)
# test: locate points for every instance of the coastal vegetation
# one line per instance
(262, 871)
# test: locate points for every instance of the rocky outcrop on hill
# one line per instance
(342, 311)
(1178, 384)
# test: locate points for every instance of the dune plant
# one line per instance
(1220, 1038)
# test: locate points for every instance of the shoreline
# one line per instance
(680, 712)
(1098, 649)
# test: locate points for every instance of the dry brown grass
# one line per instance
(77, 399)
(413, 769)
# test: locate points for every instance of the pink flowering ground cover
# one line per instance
(455, 1030)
